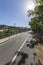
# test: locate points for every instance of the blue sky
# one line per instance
(14, 12)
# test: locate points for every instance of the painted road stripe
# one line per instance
(14, 58)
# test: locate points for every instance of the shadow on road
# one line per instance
(32, 44)
(24, 56)
(9, 63)
(31, 63)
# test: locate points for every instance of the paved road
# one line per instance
(11, 47)
(7, 51)
(27, 55)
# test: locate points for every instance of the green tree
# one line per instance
(36, 22)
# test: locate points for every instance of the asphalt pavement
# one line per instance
(8, 50)
(16, 52)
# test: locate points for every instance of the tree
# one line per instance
(36, 22)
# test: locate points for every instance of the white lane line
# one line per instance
(14, 58)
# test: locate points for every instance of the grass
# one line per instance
(39, 52)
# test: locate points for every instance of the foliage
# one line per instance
(36, 22)
(11, 31)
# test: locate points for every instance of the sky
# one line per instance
(14, 12)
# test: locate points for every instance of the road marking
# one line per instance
(14, 58)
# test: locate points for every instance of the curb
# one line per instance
(7, 38)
